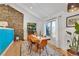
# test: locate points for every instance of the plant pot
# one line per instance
(77, 53)
(71, 51)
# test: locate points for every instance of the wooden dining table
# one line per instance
(38, 39)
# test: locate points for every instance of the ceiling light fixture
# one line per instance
(72, 6)
(75, 8)
(72, 10)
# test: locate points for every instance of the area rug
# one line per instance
(26, 52)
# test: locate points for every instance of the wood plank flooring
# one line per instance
(59, 50)
(14, 49)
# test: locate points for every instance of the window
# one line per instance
(48, 28)
(51, 29)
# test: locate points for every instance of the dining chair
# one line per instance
(42, 46)
(29, 42)
(32, 41)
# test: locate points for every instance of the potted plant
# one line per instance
(74, 46)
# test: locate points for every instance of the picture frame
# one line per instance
(71, 20)
(31, 27)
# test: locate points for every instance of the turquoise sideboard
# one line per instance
(6, 37)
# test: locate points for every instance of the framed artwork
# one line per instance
(31, 27)
(71, 20)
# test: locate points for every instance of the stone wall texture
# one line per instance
(14, 19)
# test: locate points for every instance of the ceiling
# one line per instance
(43, 10)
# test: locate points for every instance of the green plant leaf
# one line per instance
(77, 28)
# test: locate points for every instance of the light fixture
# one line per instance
(72, 6)
(75, 8)
(72, 10)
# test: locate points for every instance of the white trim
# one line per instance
(6, 28)
(7, 48)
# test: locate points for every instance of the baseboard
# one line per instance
(7, 48)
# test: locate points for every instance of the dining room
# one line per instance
(31, 35)
(39, 29)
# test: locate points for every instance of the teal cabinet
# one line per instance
(6, 37)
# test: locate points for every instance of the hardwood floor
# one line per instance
(59, 50)
(14, 49)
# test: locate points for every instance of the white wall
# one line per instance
(62, 35)
(70, 29)
(31, 19)
(60, 28)
(28, 18)
(62, 38)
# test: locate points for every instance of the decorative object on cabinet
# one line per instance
(3, 23)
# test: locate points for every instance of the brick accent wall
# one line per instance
(14, 19)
